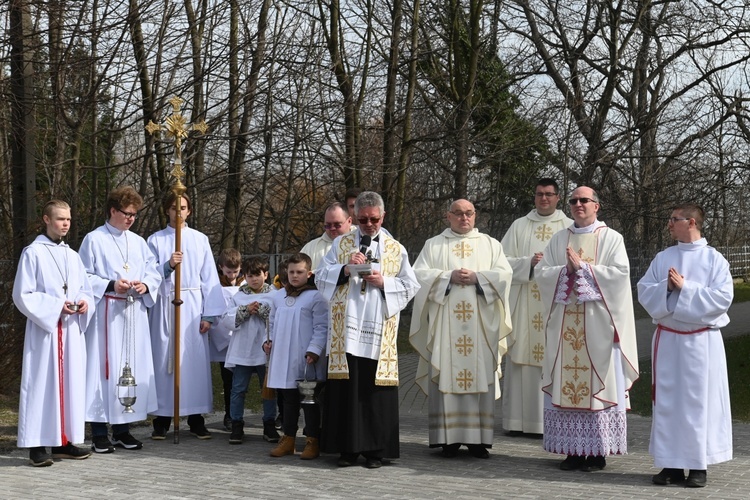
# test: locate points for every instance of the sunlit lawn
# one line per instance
(738, 360)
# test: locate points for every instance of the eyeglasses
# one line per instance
(372, 220)
(545, 195)
(333, 225)
(574, 201)
(128, 215)
(468, 214)
(675, 220)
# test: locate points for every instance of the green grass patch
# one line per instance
(738, 361)
(252, 396)
(741, 292)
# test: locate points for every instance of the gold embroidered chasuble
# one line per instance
(579, 372)
(576, 371)
(527, 236)
(457, 331)
(384, 331)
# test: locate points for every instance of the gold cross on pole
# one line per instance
(177, 129)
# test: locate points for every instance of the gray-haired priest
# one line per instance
(368, 281)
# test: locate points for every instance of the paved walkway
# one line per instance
(517, 468)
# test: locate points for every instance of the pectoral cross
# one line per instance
(126, 267)
(65, 287)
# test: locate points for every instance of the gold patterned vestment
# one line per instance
(459, 332)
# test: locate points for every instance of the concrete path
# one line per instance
(517, 468)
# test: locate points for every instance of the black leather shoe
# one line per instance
(478, 451)
(696, 479)
(373, 463)
(669, 476)
(594, 464)
(70, 451)
(573, 462)
(347, 459)
(451, 450)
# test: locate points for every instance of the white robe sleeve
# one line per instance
(400, 289)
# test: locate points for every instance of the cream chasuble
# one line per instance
(457, 331)
(527, 236)
(579, 371)
(576, 373)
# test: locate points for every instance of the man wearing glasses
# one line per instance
(524, 244)
(336, 223)
(367, 279)
(591, 360)
(687, 290)
(123, 274)
(459, 324)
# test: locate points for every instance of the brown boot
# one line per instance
(312, 449)
(285, 447)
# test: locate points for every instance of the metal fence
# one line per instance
(738, 257)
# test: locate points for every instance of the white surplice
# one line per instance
(246, 344)
(105, 252)
(692, 420)
(364, 317)
(523, 399)
(52, 400)
(460, 334)
(201, 295)
(220, 334)
(298, 325)
(591, 357)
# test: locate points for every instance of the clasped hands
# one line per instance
(573, 261)
(675, 280)
(122, 286)
(463, 276)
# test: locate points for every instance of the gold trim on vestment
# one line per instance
(387, 370)
(575, 362)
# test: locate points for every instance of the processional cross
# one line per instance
(177, 129)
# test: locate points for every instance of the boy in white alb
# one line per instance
(299, 329)
(52, 291)
(687, 290)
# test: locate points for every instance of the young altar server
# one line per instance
(122, 272)
(52, 291)
(687, 290)
(299, 329)
(202, 303)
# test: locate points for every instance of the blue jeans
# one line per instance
(240, 382)
(100, 429)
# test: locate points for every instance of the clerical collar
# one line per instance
(588, 229)
(373, 238)
(696, 243)
(56, 242)
(464, 235)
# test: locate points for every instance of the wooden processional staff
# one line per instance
(177, 129)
